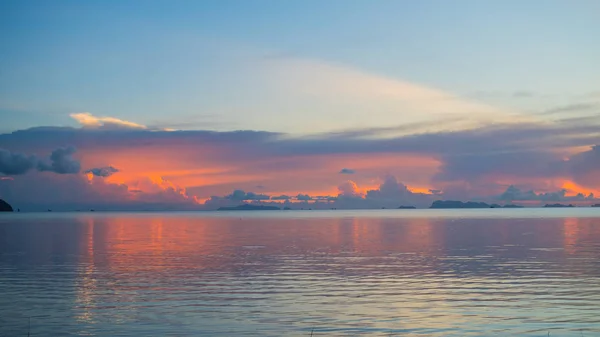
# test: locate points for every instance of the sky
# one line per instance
(345, 104)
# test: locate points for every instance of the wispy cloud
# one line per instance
(575, 107)
(88, 120)
(357, 98)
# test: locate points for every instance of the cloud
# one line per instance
(513, 193)
(256, 196)
(87, 120)
(478, 165)
(349, 189)
(347, 171)
(303, 197)
(523, 94)
(38, 191)
(584, 167)
(15, 163)
(281, 197)
(572, 108)
(61, 162)
(240, 195)
(468, 163)
(390, 188)
(102, 171)
(349, 94)
(390, 194)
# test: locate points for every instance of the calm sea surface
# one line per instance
(505, 272)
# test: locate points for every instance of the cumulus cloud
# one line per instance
(102, 171)
(15, 163)
(584, 167)
(61, 161)
(514, 193)
(240, 195)
(390, 188)
(76, 191)
(347, 171)
(235, 198)
(303, 197)
(349, 189)
(281, 197)
(87, 120)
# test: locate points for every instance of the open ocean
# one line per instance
(491, 272)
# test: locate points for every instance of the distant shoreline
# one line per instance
(399, 210)
(438, 204)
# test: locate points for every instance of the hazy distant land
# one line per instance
(438, 204)
(247, 207)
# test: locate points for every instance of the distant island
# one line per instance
(5, 207)
(557, 205)
(596, 205)
(512, 206)
(407, 207)
(246, 207)
(444, 204)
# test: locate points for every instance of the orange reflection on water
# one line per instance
(125, 242)
(576, 230)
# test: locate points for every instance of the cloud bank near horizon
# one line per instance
(201, 168)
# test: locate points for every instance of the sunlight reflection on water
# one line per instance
(280, 274)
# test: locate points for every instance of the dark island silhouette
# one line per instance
(247, 207)
(596, 205)
(557, 205)
(445, 204)
(407, 207)
(5, 207)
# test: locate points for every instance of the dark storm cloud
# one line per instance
(102, 171)
(347, 171)
(15, 163)
(60, 161)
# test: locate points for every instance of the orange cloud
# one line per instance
(210, 171)
(574, 189)
(86, 119)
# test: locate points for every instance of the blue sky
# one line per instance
(224, 64)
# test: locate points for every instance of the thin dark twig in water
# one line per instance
(311, 332)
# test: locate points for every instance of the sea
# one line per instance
(459, 272)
